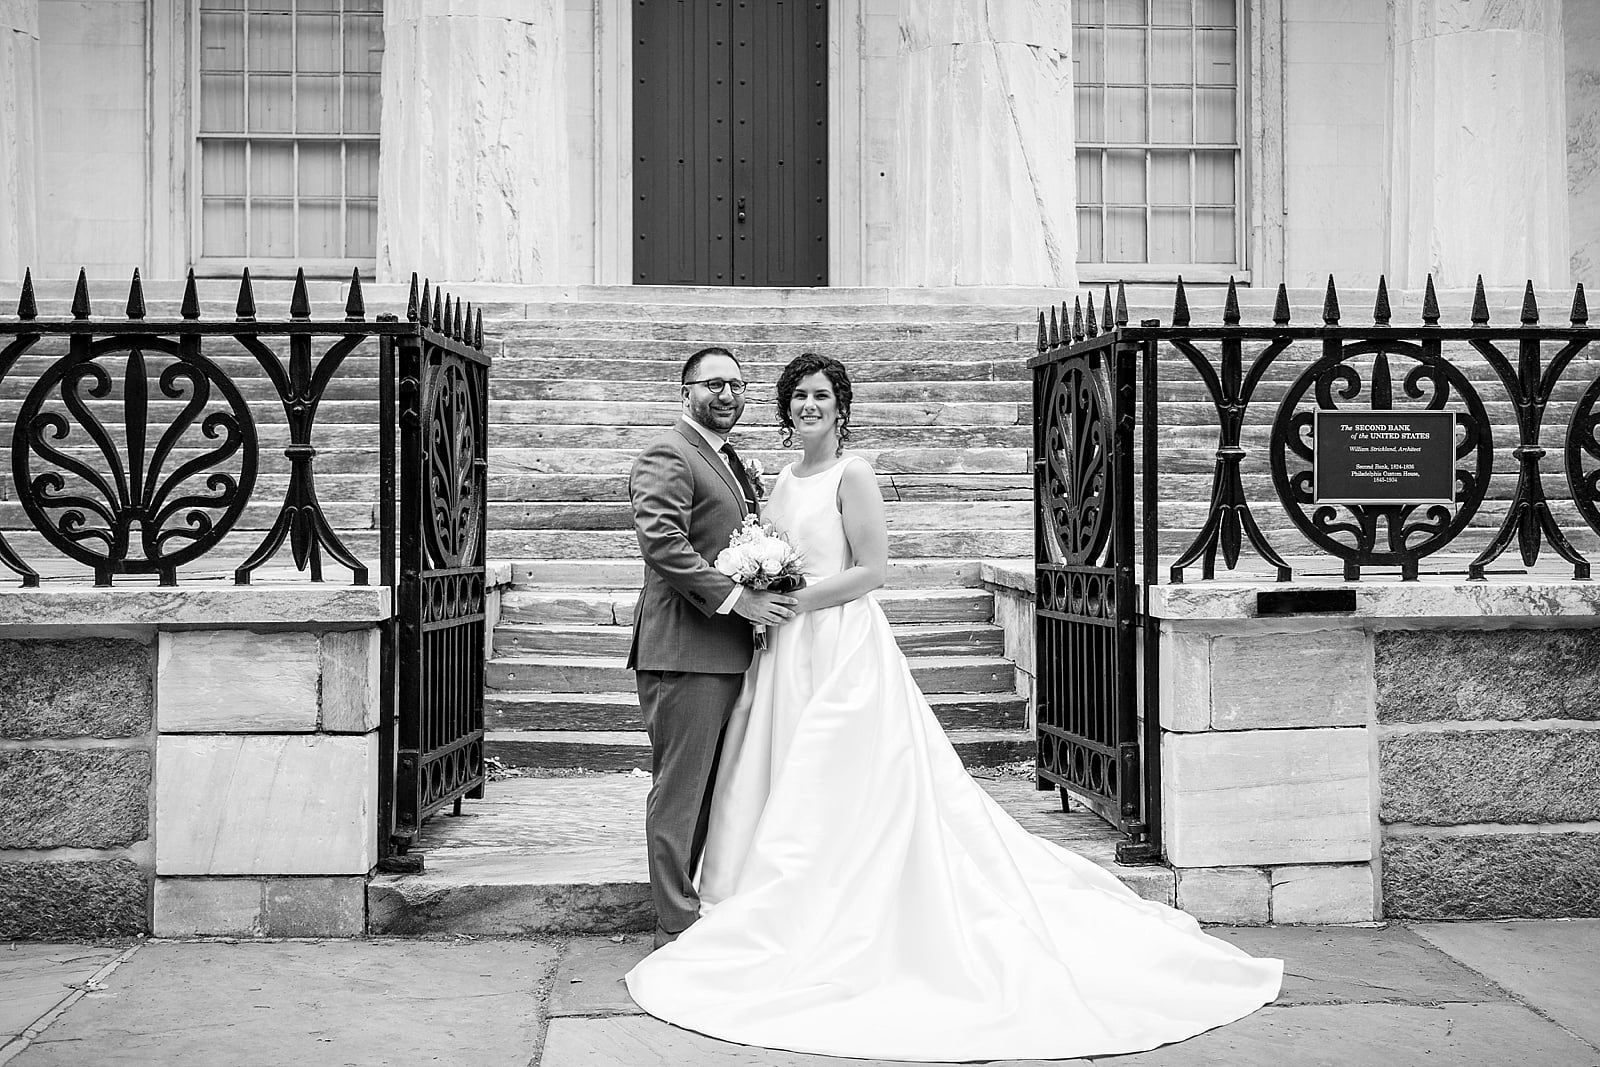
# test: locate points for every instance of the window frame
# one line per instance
(1245, 51)
(264, 266)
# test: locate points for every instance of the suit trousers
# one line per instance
(686, 715)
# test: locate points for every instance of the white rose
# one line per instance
(734, 561)
(772, 556)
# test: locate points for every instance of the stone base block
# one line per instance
(1240, 896)
(73, 797)
(260, 907)
(71, 900)
(1492, 876)
(1318, 894)
(412, 905)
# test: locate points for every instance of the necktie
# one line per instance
(736, 466)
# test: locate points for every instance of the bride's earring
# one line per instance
(786, 436)
(842, 428)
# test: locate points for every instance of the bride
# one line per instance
(860, 894)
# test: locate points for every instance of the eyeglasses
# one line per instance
(717, 385)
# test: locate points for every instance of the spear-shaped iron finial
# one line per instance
(355, 308)
(477, 329)
(1530, 306)
(136, 297)
(455, 331)
(80, 296)
(1180, 305)
(1580, 307)
(190, 308)
(1230, 306)
(1380, 308)
(425, 315)
(1053, 338)
(1043, 343)
(27, 306)
(411, 301)
(439, 310)
(1122, 305)
(1480, 306)
(300, 300)
(1330, 305)
(245, 311)
(1280, 310)
(1090, 327)
(1430, 304)
(1077, 319)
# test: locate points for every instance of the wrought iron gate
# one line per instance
(443, 404)
(1087, 611)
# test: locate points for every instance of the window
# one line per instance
(1158, 119)
(288, 131)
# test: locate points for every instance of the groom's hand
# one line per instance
(767, 608)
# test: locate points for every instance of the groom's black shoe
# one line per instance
(664, 937)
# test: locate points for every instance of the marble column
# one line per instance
(19, 136)
(1478, 168)
(984, 145)
(473, 169)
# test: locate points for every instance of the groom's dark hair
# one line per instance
(692, 364)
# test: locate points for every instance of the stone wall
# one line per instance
(1489, 755)
(76, 761)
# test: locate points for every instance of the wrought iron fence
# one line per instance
(1178, 446)
(142, 445)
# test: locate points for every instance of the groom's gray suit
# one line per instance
(690, 659)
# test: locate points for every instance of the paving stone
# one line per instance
(1491, 876)
(73, 798)
(643, 1041)
(1439, 779)
(59, 900)
(352, 1003)
(86, 688)
(1380, 1035)
(1552, 964)
(1360, 965)
(1464, 675)
(589, 978)
(35, 978)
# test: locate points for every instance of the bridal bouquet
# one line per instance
(762, 558)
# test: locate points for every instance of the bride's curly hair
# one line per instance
(804, 366)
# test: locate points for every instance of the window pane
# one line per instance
(1214, 121)
(317, 44)
(1125, 56)
(1125, 177)
(271, 228)
(1126, 122)
(1172, 118)
(1169, 235)
(1089, 191)
(271, 43)
(1089, 111)
(319, 229)
(1217, 64)
(361, 229)
(361, 103)
(222, 169)
(316, 104)
(1125, 242)
(222, 42)
(1213, 178)
(222, 228)
(1214, 235)
(1125, 11)
(1090, 249)
(319, 169)
(1169, 178)
(317, 5)
(1170, 12)
(222, 103)
(271, 169)
(361, 169)
(1171, 61)
(363, 43)
(1215, 13)
(1088, 12)
(269, 104)
(1088, 59)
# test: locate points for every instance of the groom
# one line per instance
(691, 629)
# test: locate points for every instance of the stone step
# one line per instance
(733, 335)
(633, 412)
(614, 607)
(1001, 368)
(583, 674)
(542, 856)
(525, 712)
(947, 457)
(894, 487)
(611, 640)
(633, 438)
(618, 544)
(624, 750)
(628, 574)
(259, 514)
(902, 515)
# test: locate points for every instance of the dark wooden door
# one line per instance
(730, 171)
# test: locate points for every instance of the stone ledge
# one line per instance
(1434, 600)
(1006, 575)
(298, 606)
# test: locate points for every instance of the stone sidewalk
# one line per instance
(1480, 994)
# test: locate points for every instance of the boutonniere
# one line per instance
(755, 471)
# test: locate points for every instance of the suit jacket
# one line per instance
(686, 504)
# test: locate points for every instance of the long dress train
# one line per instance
(863, 896)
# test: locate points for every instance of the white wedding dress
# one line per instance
(863, 896)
